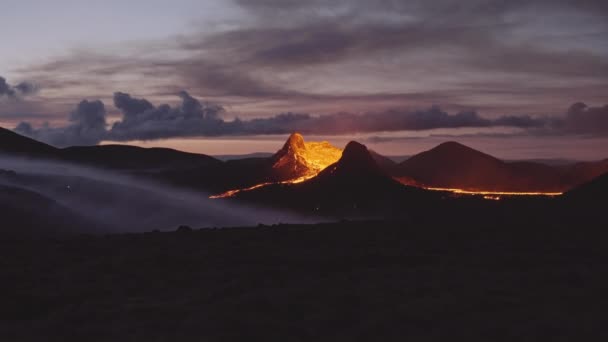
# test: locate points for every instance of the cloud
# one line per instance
(471, 8)
(141, 120)
(582, 119)
(339, 54)
(390, 120)
(87, 126)
(21, 89)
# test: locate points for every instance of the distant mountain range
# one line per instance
(353, 184)
(310, 177)
(450, 165)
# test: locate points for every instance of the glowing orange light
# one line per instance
(316, 156)
(231, 193)
(494, 193)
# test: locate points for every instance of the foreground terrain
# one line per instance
(424, 278)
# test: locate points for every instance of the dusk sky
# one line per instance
(517, 79)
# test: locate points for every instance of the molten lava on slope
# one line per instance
(296, 162)
(298, 159)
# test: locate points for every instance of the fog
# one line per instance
(121, 203)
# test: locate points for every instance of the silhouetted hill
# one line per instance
(216, 178)
(449, 165)
(189, 170)
(132, 157)
(595, 191)
(25, 213)
(107, 156)
(385, 163)
(353, 185)
(453, 165)
(583, 172)
(15, 144)
(227, 157)
(356, 163)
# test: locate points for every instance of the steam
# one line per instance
(121, 203)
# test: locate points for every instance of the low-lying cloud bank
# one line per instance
(117, 203)
(142, 120)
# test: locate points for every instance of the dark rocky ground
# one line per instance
(419, 280)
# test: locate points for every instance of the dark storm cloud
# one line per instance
(23, 88)
(141, 120)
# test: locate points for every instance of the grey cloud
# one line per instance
(473, 7)
(310, 37)
(23, 88)
(5, 88)
(391, 120)
(142, 120)
(131, 106)
(583, 119)
(26, 88)
(87, 126)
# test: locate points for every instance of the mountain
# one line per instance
(453, 165)
(106, 156)
(226, 157)
(595, 191)
(18, 145)
(385, 163)
(295, 161)
(356, 164)
(289, 162)
(354, 185)
(302, 159)
(132, 157)
(583, 172)
(194, 171)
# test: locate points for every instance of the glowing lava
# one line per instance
(494, 195)
(303, 159)
(489, 195)
(231, 193)
(296, 162)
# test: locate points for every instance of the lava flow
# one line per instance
(296, 162)
(494, 195)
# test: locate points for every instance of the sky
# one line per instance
(517, 79)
